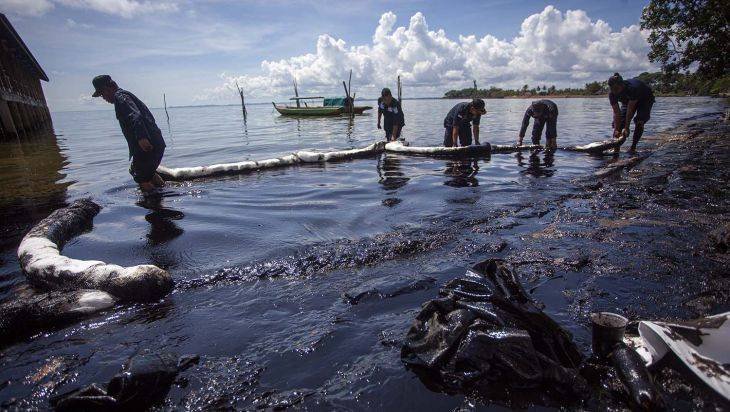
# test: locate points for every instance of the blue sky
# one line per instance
(195, 50)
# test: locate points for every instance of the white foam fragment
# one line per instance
(91, 301)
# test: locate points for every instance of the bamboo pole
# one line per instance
(475, 89)
(400, 91)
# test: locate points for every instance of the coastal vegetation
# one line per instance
(663, 83)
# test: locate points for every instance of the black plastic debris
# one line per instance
(144, 382)
(484, 336)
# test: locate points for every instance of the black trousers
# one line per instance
(539, 124)
(643, 113)
(388, 127)
(464, 136)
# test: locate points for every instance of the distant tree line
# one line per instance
(593, 88)
(661, 82)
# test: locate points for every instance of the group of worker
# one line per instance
(461, 124)
(462, 121)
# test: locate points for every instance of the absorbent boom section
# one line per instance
(597, 147)
(45, 267)
(300, 157)
(403, 148)
(306, 156)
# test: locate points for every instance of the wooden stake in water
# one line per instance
(164, 102)
(400, 90)
(476, 91)
(351, 103)
(296, 92)
(243, 102)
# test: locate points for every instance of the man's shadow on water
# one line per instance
(534, 165)
(462, 173)
(162, 226)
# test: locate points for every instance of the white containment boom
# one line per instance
(307, 156)
(303, 156)
(44, 266)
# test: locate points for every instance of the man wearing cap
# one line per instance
(544, 112)
(458, 120)
(144, 138)
(390, 109)
(637, 99)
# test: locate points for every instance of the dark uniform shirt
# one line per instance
(460, 116)
(634, 89)
(136, 122)
(549, 111)
(392, 113)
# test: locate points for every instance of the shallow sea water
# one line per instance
(263, 261)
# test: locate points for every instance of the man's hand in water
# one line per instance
(625, 133)
(145, 145)
(519, 141)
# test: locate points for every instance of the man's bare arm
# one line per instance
(454, 135)
(475, 128)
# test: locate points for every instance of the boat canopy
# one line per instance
(335, 101)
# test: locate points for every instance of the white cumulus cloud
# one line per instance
(552, 47)
(32, 8)
(123, 8)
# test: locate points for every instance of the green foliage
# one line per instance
(660, 82)
(689, 33)
(597, 87)
(721, 86)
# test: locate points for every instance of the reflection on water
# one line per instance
(535, 166)
(391, 174)
(31, 174)
(163, 228)
(462, 173)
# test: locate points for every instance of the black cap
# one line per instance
(478, 104)
(100, 82)
(615, 79)
(386, 92)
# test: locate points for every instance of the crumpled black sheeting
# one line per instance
(484, 336)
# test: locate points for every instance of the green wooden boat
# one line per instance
(307, 111)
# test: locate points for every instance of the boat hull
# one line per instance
(356, 109)
(308, 111)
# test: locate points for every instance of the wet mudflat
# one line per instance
(297, 286)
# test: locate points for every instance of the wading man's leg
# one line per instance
(537, 127)
(643, 114)
(465, 135)
(144, 169)
(638, 131)
(551, 134)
